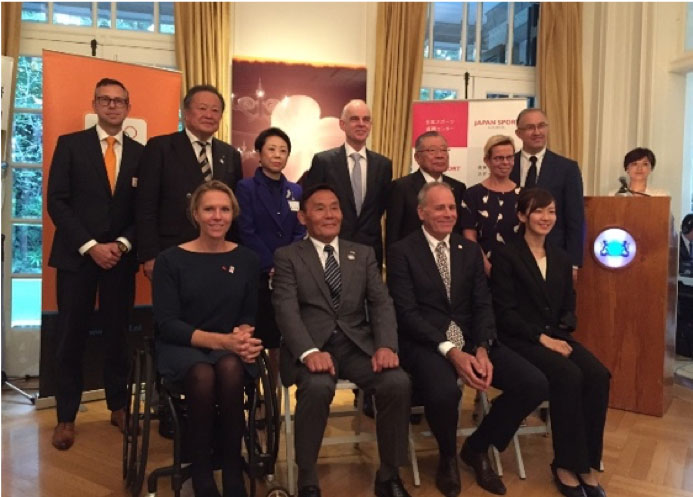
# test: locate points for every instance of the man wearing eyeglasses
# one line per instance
(535, 165)
(173, 166)
(434, 160)
(91, 196)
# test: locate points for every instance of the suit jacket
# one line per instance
(80, 202)
(402, 217)
(168, 174)
(331, 167)
(423, 309)
(526, 305)
(561, 176)
(264, 225)
(684, 252)
(303, 306)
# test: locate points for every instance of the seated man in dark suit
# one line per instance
(447, 332)
(91, 202)
(686, 246)
(360, 178)
(433, 158)
(337, 321)
(173, 166)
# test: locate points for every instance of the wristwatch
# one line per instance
(122, 247)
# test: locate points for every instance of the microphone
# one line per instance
(624, 190)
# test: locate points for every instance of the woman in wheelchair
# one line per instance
(205, 300)
(534, 302)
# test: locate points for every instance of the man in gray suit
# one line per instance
(337, 321)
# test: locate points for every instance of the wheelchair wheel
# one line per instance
(277, 492)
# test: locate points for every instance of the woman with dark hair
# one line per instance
(205, 299)
(269, 203)
(488, 208)
(639, 164)
(534, 303)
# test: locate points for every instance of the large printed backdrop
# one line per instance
(304, 100)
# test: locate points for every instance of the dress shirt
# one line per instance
(197, 147)
(364, 164)
(118, 149)
(430, 179)
(322, 255)
(524, 164)
(445, 346)
(541, 263)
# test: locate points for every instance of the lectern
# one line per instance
(626, 298)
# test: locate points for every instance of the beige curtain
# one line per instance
(11, 27)
(203, 50)
(559, 71)
(398, 65)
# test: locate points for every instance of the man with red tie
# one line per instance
(90, 198)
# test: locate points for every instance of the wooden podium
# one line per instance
(627, 315)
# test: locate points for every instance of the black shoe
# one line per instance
(448, 477)
(391, 488)
(566, 490)
(368, 409)
(309, 491)
(592, 490)
(481, 464)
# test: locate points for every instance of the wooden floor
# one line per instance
(643, 457)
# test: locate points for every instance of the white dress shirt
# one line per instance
(430, 179)
(197, 148)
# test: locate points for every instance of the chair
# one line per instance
(355, 439)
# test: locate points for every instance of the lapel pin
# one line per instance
(351, 255)
(459, 247)
(229, 269)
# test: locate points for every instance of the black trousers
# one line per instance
(76, 291)
(579, 398)
(435, 385)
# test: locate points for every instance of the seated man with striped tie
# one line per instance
(447, 332)
(337, 321)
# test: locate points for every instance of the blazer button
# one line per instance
(188, 195)
(280, 234)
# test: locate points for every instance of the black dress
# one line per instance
(192, 290)
(493, 215)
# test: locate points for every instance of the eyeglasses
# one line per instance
(503, 158)
(534, 127)
(104, 101)
(434, 150)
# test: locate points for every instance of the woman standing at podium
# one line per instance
(534, 302)
(639, 164)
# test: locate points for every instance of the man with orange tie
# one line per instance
(91, 199)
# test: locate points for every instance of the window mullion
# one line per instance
(156, 17)
(511, 30)
(431, 23)
(463, 40)
(479, 22)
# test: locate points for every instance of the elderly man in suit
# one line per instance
(90, 197)
(433, 159)
(172, 166)
(337, 321)
(535, 165)
(360, 177)
(447, 332)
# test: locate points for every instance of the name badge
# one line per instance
(134, 182)
(293, 205)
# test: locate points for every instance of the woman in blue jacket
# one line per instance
(269, 203)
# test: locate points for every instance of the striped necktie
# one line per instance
(333, 276)
(204, 161)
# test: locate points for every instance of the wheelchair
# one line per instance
(150, 399)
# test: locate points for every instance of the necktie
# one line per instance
(204, 161)
(109, 159)
(531, 180)
(333, 277)
(453, 333)
(356, 182)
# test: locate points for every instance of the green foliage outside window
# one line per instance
(27, 198)
(28, 93)
(26, 248)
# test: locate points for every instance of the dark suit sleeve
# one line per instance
(148, 192)
(299, 229)
(380, 309)
(135, 148)
(246, 223)
(250, 302)
(237, 167)
(286, 307)
(395, 213)
(574, 215)
(59, 194)
(508, 315)
(316, 173)
(400, 281)
(166, 304)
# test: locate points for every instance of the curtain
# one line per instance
(203, 50)
(398, 66)
(559, 71)
(11, 27)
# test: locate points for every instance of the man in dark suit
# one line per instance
(360, 177)
(447, 332)
(172, 166)
(433, 159)
(337, 321)
(535, 165)
(91, 191)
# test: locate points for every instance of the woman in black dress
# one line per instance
(205, 299)
(534, 303)
(488, 208)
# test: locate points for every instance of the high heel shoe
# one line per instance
(592, 490)
(566, 490)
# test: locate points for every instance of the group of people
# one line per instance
(479, 287)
